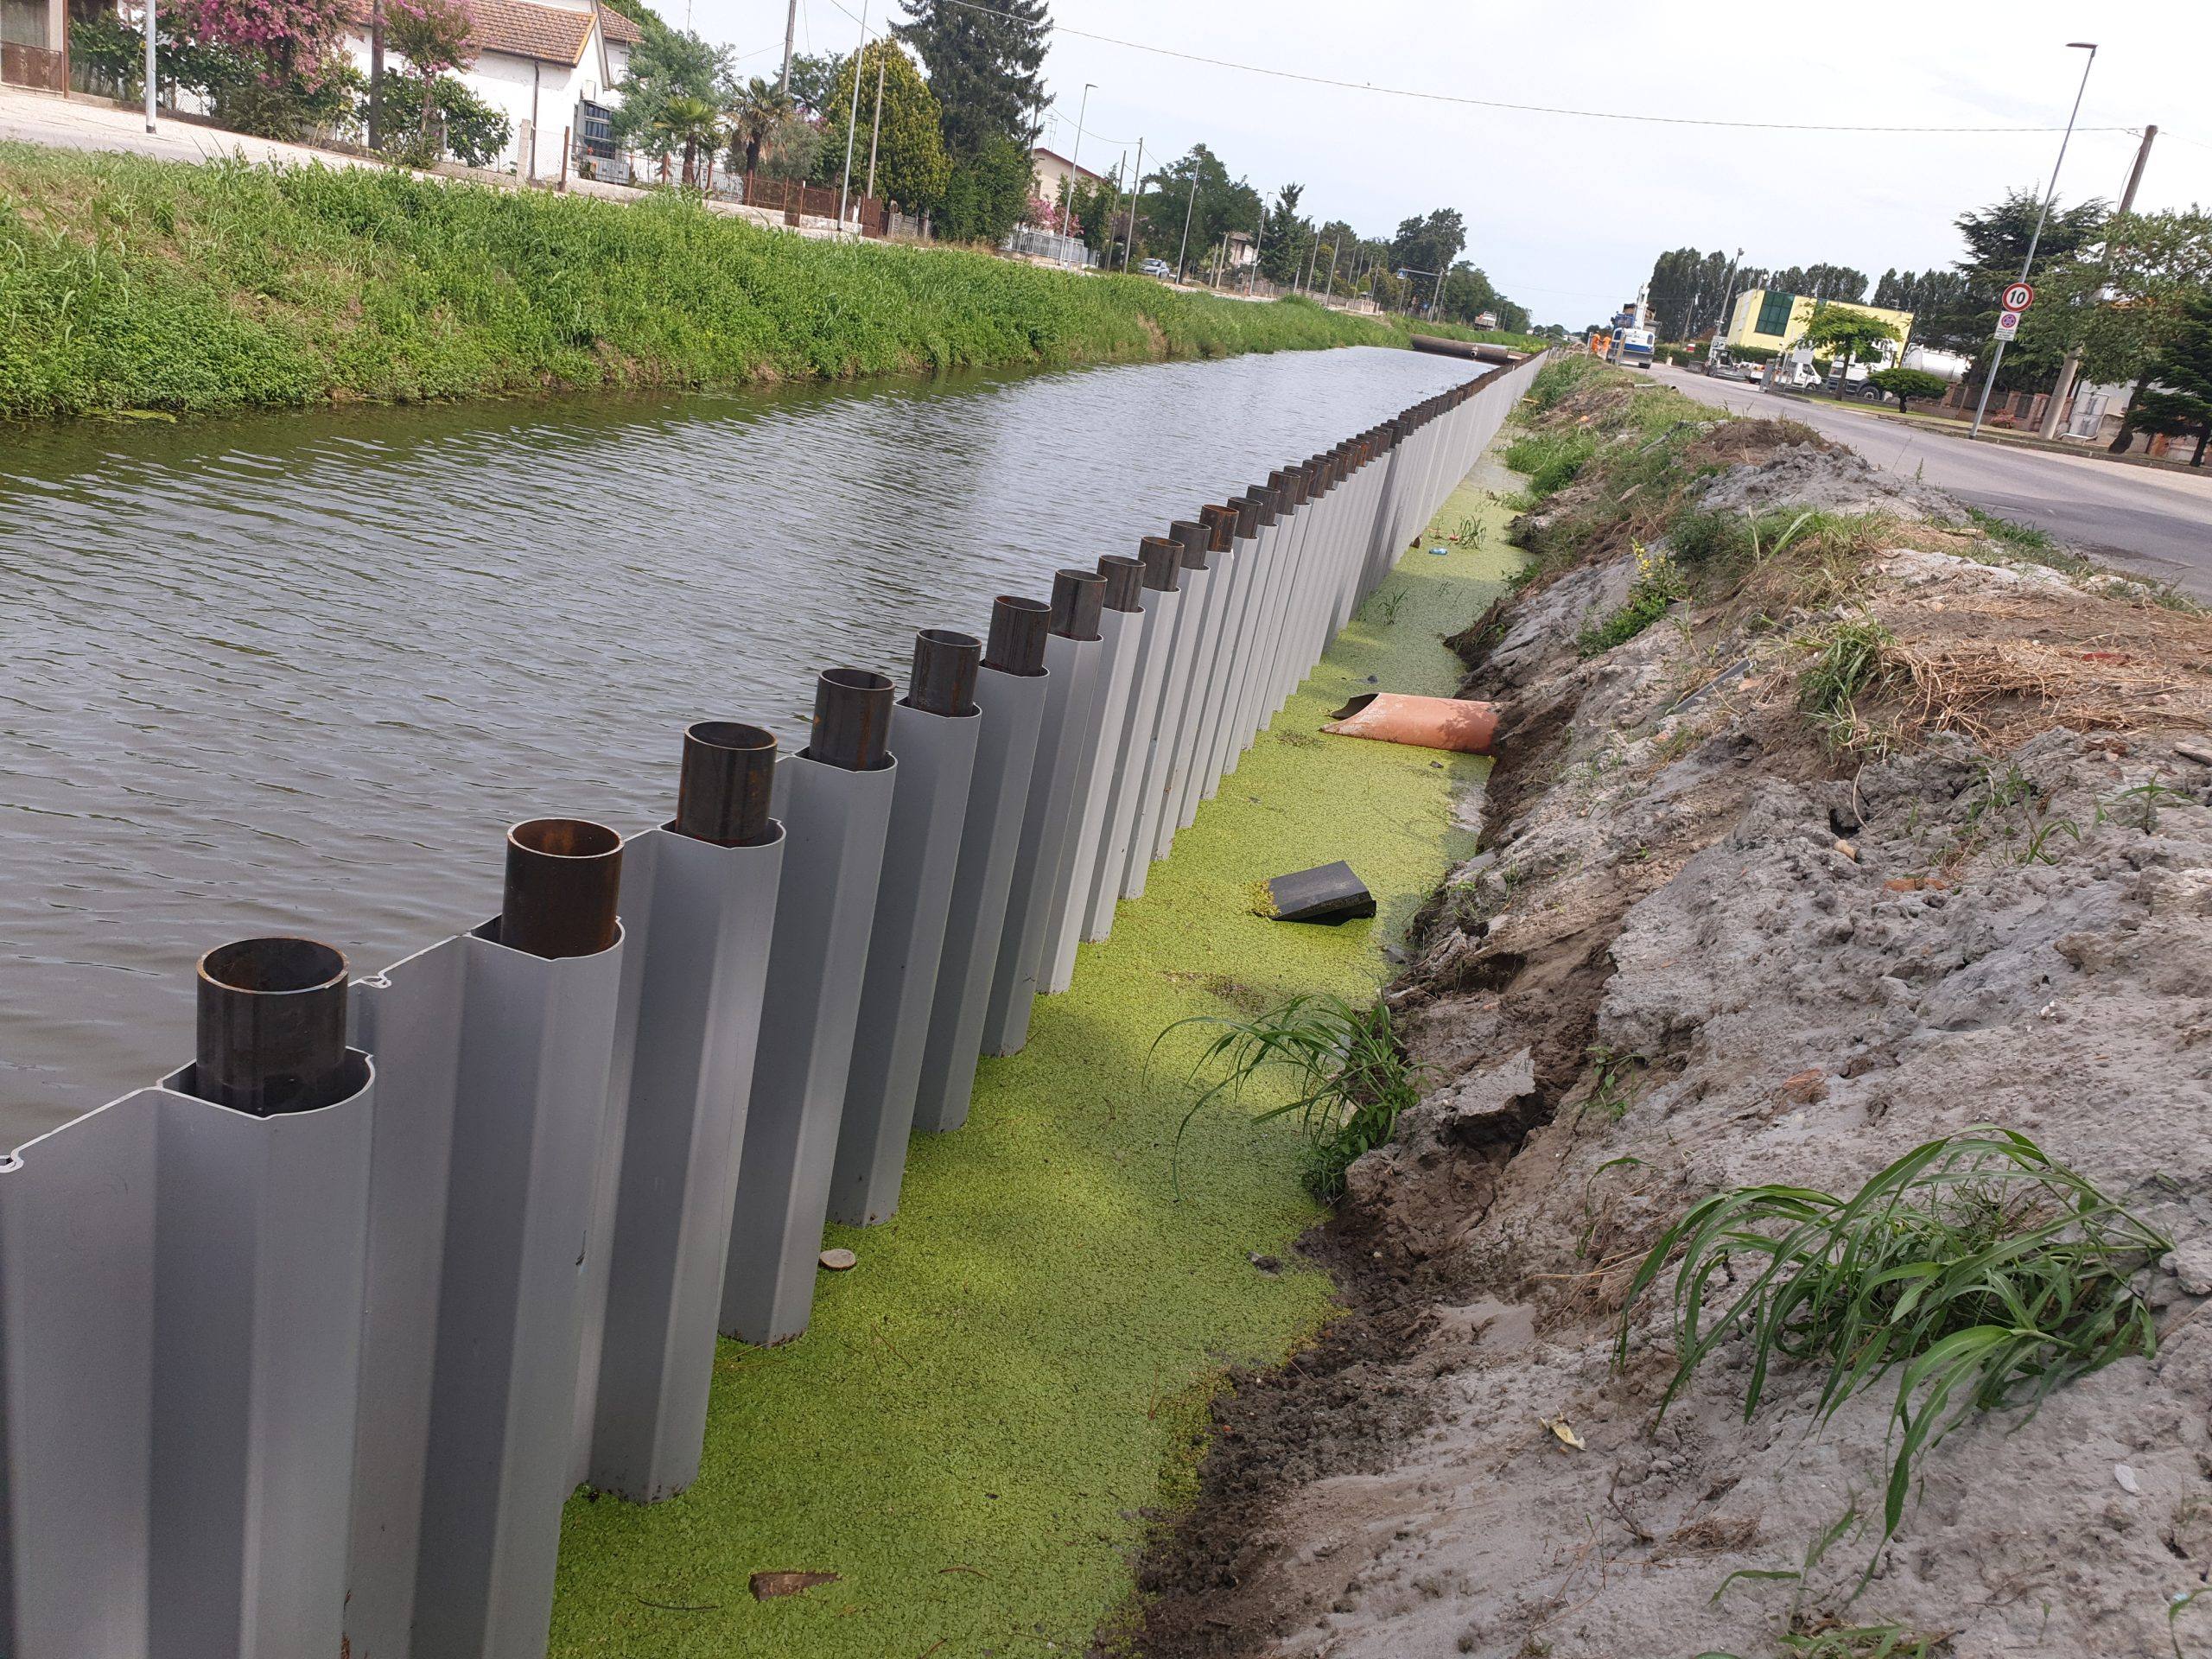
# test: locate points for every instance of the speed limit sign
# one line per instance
(2020, 297)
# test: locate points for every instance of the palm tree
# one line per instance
(690, 123)
(757, 109)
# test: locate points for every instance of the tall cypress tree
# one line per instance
(982, 65)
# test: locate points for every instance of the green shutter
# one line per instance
(1774, 313)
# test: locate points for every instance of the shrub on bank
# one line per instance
(138, 284)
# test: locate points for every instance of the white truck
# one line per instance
(1633, 334)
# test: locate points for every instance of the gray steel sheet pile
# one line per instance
(304, 1346)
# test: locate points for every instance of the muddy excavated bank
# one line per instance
(1715, 940)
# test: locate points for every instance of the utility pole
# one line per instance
(1333, 246)
(876, 131)
(1136, 196)
(149, 64)
(1188, 208)
(1727, 303)
(791, 31)
(375, 74)
(2042, 213)
(1075, 164)
(852, 124)
(2055, 410)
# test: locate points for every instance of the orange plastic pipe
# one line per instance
(1450, 723)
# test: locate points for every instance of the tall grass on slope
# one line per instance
(1977, 1270)
(130, 283)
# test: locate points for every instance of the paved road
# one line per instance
(2157, 522)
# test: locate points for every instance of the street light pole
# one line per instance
(1136, 195)
(1188, 208)
(875, 132)
(149, 64)
(852, 123)
(1075, 165)
(2043, 212)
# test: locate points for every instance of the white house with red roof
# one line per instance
(551, 66)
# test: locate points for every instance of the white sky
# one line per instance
(1565, 215)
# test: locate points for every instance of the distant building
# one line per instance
(551, 66)
(1771, 321)
(1240, 250)
(1048, 168)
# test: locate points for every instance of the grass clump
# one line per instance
(1550, 459)
(1861, 1641)
(1851, 660)
(1976, 1269)
(1658, 584)
(2025, 544)
(1348, 1077)
(128, 284)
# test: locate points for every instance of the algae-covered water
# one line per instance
(971, 1432)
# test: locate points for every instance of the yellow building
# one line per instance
(1773, 321)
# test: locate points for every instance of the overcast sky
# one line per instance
(1565, 212)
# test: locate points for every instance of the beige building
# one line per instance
(1049, 169)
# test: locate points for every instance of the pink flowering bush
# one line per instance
(281, 41)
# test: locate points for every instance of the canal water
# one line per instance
(297, 672)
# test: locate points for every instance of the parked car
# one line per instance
(1159, 268)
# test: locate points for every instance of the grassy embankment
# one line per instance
(130, 284)
(1020, 1364)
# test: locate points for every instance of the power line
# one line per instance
(1499, 103)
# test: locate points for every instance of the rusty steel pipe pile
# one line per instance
(304, 1346)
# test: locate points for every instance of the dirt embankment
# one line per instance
(1883, 826)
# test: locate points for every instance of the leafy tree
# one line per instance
(671, 66)
(1997, 241)
(433, 37)
(1222, 204)
(1430, 244)
(2181, 398)
(983, 64)
(473, 131)
(1285, 237)
(986, 193)
(1821, 282)
(2166, 414)
(637, 11)
(910, 165)
(1468, 292)
(1905, 385)
(1840, 328)
(813, 76)
(1091, 211)
(1689, 290)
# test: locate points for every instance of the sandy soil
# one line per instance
(1699, 951)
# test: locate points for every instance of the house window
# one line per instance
(1774, 314)
(595, 131)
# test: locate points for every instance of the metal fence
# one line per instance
(1032, 242)
(303, 1347)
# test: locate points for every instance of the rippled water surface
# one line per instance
(296, 673)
